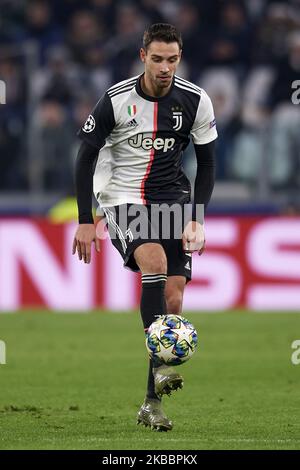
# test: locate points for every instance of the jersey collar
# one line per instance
(151, 98)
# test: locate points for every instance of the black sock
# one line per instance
(150, 384)
(153, 303)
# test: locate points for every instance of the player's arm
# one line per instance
(94, 132)
(204, 134)
(193, 235)
(85, 234)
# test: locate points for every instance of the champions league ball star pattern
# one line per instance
(171, 340)
(89, 125)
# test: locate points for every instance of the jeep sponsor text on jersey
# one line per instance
(146, 142)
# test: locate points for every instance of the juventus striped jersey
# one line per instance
(141, 140)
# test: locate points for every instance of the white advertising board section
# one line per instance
(249, 262)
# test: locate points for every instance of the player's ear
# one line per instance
(142, 54)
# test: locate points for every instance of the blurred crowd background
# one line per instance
(58, 57)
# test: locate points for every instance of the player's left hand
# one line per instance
(193, 238)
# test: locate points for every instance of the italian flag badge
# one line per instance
(132, 110)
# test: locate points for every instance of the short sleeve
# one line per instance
(204, 127)
(99, 123)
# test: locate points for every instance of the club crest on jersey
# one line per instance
(89, 124)
(132, 110)
(177, 115)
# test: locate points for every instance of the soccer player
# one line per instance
(131, 153)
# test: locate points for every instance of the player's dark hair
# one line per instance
(162, 32)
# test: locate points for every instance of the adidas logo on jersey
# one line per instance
(147, 143)
(132, 123)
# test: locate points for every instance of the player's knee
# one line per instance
(174, 303)
(157, 264)
(151, 258)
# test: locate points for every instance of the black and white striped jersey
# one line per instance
(141, 140)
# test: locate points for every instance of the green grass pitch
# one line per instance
(76, 382)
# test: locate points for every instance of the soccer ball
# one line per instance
(171, 340)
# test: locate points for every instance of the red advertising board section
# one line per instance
(249, 262)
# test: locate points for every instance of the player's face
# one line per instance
(161, 60)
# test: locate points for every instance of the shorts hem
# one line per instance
(129, 261)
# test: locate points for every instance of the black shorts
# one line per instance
(131, 225)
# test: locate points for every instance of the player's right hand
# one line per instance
(84, 237)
